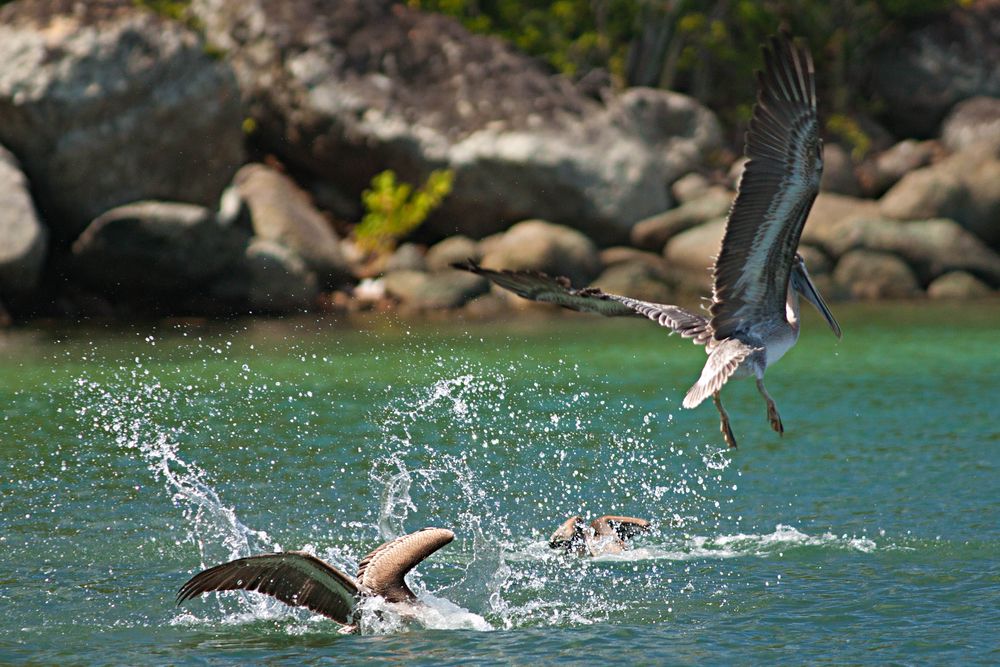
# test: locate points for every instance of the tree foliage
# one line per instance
(706, 48)
(393, 209)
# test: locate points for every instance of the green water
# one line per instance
(130, 459)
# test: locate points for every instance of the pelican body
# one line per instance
(753, 319)
(608, 534)
(300, 579)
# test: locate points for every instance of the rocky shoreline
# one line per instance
(213, 166)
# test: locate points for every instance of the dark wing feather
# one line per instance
(294, 577)
(382, 571)
(777, 189)
(625, 527)
(541, 287)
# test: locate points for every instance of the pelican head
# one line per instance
(570, 536)
(803, 284)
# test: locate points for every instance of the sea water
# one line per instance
(132, 457)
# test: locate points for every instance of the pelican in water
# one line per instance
(753, 318)
(300, 579)
(608, 534)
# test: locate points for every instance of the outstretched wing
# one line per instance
(541, 287)
(776, 191)
(381, 572)
(294, 577)
(625, 527)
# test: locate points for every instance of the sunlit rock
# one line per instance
(281, 211)
(344, 90)
(453, 249)
(421, 290)
(537, 245)
(654, 232)
(106, 103)
(973, 124)
(22, 236)
(958, 285)
(869, 274)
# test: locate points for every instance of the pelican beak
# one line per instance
(807, 289)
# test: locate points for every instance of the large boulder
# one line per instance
(921, 73)
(453, 249)
(431, 291)
(881, 171)
(824, 224)
(869, 274)
(347, 89)
(973, 125)
(148, 250)
(654, 232)
(931, 247)
(106, 103)
(22, 236)
(694, 252)
(957, 285)
(965, 187)
(638, 279)
(281, 211)
(537, 245)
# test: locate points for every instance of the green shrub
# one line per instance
(393, 210)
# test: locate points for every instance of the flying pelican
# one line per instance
(300, 579)
(754, 313)
(605, 535)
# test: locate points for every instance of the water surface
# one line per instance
(130, 458)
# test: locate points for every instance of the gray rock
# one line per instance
(958, 285)
(281, 211)
(868, 274)
(106, 103)
(931, 247)
(838, 172)
(923, 71)
(965, 187)
(883, 170)
(362, 85)
(453, 249)
(22, 236)
(823, 226)
(277, 279)
(154, 249)
(624, 254)
(637, 279)
(696, 248)
(689, 187)
(542, 246)
(436, 290)
(407, 257)
(973, 125)
(654, 232)
(935, 191)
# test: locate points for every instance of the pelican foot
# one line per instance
(727, 433)
(775, 419)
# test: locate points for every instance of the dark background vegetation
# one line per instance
(706, 48)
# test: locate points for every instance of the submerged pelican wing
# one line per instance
(382, 571)
(776, 191)
(541, 287)
(293, 577)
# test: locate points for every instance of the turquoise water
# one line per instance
(130, 459)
